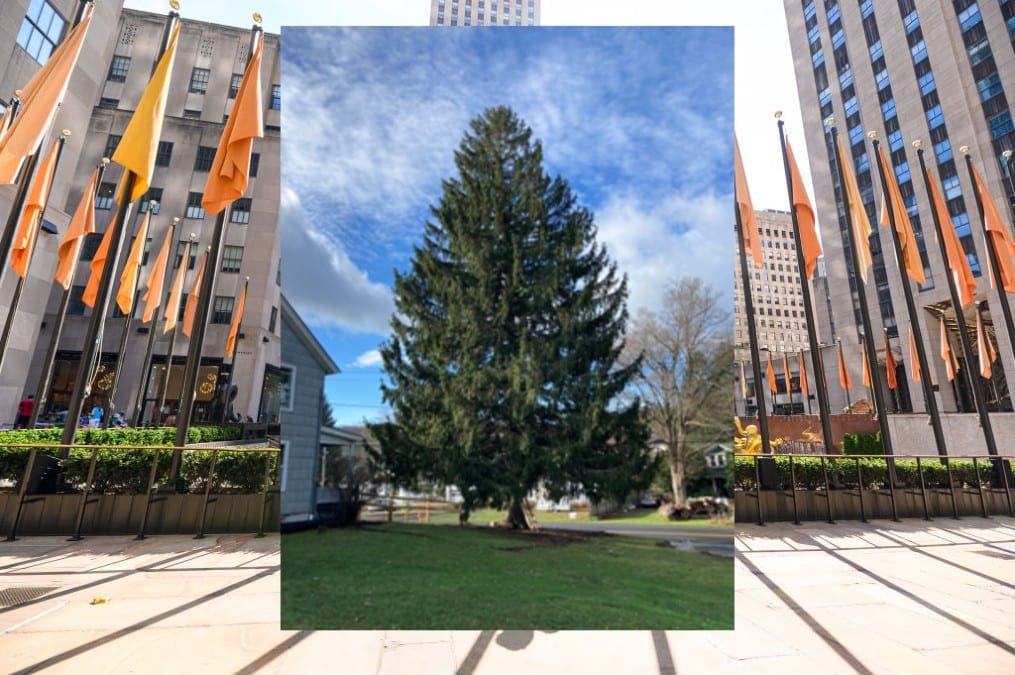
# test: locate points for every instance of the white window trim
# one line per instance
(292, 386)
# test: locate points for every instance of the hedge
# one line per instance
(127, 472)
(862, 444)
(842, 473)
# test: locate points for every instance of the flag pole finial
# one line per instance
(175, 4)
(778, 114)
(1007, 154)
(193, 235)
(964, 149)
(152, 203)
(176, 220)
(257, 18)
(873, 135)
(830, 122)
(65, 132)
(918, 144)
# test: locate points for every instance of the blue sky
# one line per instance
(639, 121)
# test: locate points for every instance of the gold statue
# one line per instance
(748, 440)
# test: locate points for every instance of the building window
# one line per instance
(205, 156)
(164, 153)
(181, 246)
(255, 162)
(1000, 125)
(232, 258)
(240, 211)
(111, 142)
(285, 388)
(75, 306)
(273, 320)
(234, 84)
(276, 97)
(104, 199)
(90, 246)
(189, 114)
(153, 195)
(41, 30)
(222, 309)
(118, 69)
(194, 208)
(146, 252)
(112, 103)
(199, 80)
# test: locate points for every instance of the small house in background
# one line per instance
(717, 458)
(305, 365)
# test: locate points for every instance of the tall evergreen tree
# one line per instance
(503, 358)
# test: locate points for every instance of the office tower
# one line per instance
(117, 61)
(940, 72)
(484, 12)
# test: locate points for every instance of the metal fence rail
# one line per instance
(860, 487)
(54, 520)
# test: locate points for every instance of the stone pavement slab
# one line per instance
(883, 597)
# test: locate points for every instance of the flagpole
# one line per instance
(142, 385)
(43, 387)
(193, 364)
(803, 378)
(185, 260)
(19, 288)
(125, 334)
(1009, 164)
(914, 319)
(995, 266)
(805, 288)
(849, 404)
(232, 366)
(960, 318)
(752, 338)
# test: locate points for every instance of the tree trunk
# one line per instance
(518, 516)
(677, 475)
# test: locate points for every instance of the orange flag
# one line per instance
(173, 306)
(810, 245)
(803, 375)
(238, 317)
(865, 366)
(786, 373)
(82, 223)
(35, 205)
(771, 375)
(861, 230)
(845, 381)
(40, 99)
(156, 278)
(748, 221)
(139, 145)
(982, 347)
(910, 254)
(190, 311)
(914, 361)
(946, 351)
(890, 365)
(998, 237)
(128, 279)
(743, 374)
(96, 266)
(958, 263)
(227, 179)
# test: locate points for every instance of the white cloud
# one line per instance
(321, 281)
(369, 359)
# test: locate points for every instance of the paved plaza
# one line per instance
(930, 597)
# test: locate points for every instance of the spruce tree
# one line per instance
(503, 358)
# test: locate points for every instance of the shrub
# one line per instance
(842, 473)
(862, 444)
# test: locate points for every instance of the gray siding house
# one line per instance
(305, 364)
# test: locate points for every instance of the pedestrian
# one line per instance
(25, 409)
(95, 421)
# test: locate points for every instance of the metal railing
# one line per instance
(152, 490)
(766, 478)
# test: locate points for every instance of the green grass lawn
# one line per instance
(397, 576)
(636, 517)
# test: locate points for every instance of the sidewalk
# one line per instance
(885, 597)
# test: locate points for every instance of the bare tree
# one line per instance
(687, 351)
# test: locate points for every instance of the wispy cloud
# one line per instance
(369, 359)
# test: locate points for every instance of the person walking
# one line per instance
(25, 409)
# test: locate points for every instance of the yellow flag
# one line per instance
(910, 254)
(82, 223)
(810, 245)
(140, 142)
(958, 263)
(946, 351)
(190, 310)
(173, 306)
(40, 100)
(748, 221)
(858, 215)
(227, 179)
(786, 373)
(128, 279)
(156, 278)
(238, 318)
(35, 205)
(96, 266)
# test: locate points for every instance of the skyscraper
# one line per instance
(484, 12)
(933, 71)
